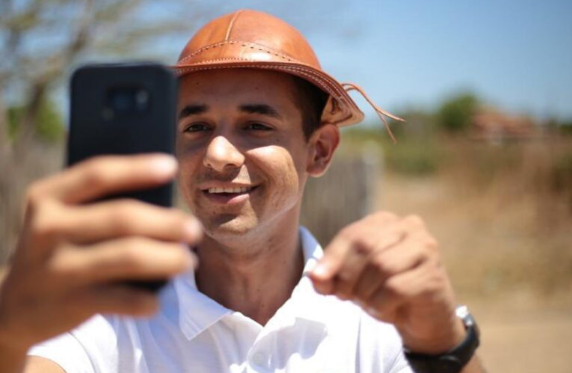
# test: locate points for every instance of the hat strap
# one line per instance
(379, 111)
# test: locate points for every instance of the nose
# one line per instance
(221, 155)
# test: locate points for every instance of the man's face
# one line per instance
(242, 152)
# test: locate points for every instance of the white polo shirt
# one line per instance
(193, 333)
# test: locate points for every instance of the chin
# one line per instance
(225, 227)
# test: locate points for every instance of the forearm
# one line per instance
(12, 360)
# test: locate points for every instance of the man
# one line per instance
(257, 117)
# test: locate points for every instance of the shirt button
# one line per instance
(258, 359)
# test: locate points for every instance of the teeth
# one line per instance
(229, 190)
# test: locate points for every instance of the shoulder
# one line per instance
(80, 349)
(106, 343)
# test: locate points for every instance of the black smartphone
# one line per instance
(121, 109)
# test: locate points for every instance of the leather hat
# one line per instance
(253, 39)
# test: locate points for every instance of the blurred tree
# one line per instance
(565, 127)
(559, 126)
(49, 127)
(455, 114)
(39, 41)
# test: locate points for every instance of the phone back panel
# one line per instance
(124, 109)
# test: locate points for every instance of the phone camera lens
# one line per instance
(122, 102)
(125, 101)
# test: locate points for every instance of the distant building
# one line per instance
(491, 125)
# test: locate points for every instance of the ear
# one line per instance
(322, 145)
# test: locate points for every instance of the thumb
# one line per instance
(323, 274)
(322, 279)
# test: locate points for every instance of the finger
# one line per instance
(358, 258)
(366, 233)
(373, 236)
(322, 275)
(396, 259)
(131, 258)
(353, 264)
(344, 257)
(104, 175)
(399, 290)
(119, 218)
(116, 299)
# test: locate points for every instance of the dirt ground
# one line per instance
(538, 339)
(523, 330)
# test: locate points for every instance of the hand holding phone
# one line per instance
(73, 255)
(78, 247)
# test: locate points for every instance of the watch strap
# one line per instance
(453, 360)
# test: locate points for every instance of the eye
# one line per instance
(255, 126)
(197, 127)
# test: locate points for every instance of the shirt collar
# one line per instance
(197, 312)
(306, 303)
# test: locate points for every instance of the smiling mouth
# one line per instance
(229, 191)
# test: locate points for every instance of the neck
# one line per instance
(255, 274)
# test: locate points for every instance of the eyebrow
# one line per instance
(193, 110)
(262, 109)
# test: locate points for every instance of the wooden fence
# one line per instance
(346, 193)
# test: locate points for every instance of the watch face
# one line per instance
(462, 312)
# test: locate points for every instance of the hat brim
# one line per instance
(340, 108)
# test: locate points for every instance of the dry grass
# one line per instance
(495, 211)
(506, 237)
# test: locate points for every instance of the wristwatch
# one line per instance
(454, 360)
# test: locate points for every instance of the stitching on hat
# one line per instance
(308, 73)
(244, 44)
(301, 71)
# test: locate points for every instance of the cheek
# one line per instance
(183, 184)
(189, 159)
(284, 169)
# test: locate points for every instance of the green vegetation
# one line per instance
(412, 155)
(49, 125)
(455, 114)
(561, 127)
(418, 151)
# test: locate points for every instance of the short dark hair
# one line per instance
(311, 101)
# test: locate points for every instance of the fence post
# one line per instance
(346, 193)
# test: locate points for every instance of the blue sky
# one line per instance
(514, 54)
